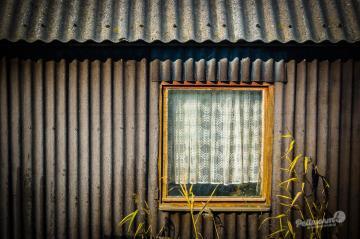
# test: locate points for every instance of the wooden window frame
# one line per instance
(261, 203)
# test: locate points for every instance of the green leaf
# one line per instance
(295, 198)
(288, 135)
(138, 229)
(284, 196)
(288, 181)
(129, 218)
(291, 228)
(132, 220)
(294, 162)
(291, 146)
(276, 232)
(306, 163)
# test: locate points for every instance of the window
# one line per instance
(217, 136)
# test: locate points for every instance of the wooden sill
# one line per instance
(173, 208)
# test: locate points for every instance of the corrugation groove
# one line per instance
(183, 21)
(222, 70)
(79, 139)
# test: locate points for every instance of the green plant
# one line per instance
(310, 182)
(189, 196)
(142, 215)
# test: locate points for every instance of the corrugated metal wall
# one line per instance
(79, 139)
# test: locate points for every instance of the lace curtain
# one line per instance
(214, 136)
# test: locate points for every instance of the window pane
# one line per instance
(214, 137)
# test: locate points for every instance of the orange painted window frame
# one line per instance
(261, 203)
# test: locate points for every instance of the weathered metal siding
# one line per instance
(78, 139)
(180, 20)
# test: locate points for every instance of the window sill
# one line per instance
(173, 208)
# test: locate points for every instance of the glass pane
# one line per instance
(214, 138)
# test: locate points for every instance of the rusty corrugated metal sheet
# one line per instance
(78, 139)
(182, 21)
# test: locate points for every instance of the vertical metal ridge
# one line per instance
(177, 70)
(322, 116)
(256, 71)
(234, 70)
(252, 225)
(230, 222)
(95, 150)
(84, 149)
(211, 70)
(106, 147)
(61, 149)
(4, 150)
(189, 70)
(26, 144)
(345, 142)
(153, 140)
(279, 127)
(130, 135)
(299, 131)
(50, 139)
(245, 70)
(186, 227)
(165, 71)
(241, 224)
(15, 150)
(289, 105)
(334, 132)
(118, 144)
(72, 157)
(222, 73)
(141, 131)
(354, 230)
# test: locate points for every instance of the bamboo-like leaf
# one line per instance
(132, 220)
(139, 227)
(287, 181)
(265, 220)
(294, 162)
(269, 218)
(288, 135)
(286, 234)
(291, 147)
(285, 204)
(295, 198)
(284, 196)
(276, 232)
(129, 218)
(291, 229)
(306, 163)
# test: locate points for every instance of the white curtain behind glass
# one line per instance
(214, 136)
